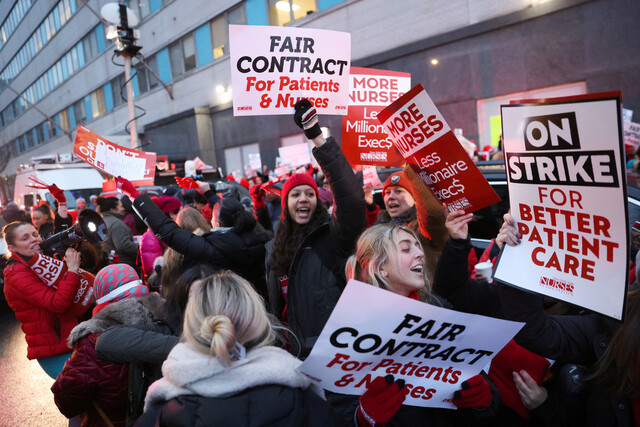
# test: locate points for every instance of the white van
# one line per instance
(75, 177)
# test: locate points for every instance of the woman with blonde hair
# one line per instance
(226, 370)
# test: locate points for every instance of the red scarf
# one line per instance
(51, 271)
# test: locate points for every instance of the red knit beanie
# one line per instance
(167, 203)
(398, 179)
(293, 181)
(514, 358)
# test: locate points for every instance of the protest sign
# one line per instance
(274, 67)
(364, 139)
(113, 159)
(255, 161)
(370, 178)
(631, 137)
(567, 190)
(373, 332)
(295, 155)
(429, 146)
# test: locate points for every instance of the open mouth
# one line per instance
(418, 269)
(393, 205)
(303, 212)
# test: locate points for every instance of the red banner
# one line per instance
(113, 159)
(429, 146)
(364, 139)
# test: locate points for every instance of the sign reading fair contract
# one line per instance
(433, 349)
(364, 139)
(567, 190)
(429, 146)
(113, 159)
(272, 68)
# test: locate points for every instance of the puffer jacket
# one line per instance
(41, 310)
(86, 381)
(221, 247)
(316, 275)
(150, 248)
(119, 239)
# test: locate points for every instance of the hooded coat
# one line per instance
(119, 238)
(85, 380)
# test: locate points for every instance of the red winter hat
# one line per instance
(244, 183)
(167, 203)
(295, 180)
(398, 179)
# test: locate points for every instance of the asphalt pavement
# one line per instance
(24, 387)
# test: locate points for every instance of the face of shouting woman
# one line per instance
(26, 241)
(405, 268)
(301, 203)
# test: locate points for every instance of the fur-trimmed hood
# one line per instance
(133, 311)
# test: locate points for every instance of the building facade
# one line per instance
(58, 69)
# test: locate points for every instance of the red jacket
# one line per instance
(41, 310)
(85, 380)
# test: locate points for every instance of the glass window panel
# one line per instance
(144, 8)
(237, 16)
(141, 75)
(61, 14)
(153, 64)
(79, 111)
(175, 58)
(189, 47)
(30, 142)
(279, 12)
(40, 134)
(219, 31)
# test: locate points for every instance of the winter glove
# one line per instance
(57, 193)
(186, 183)
(125, 187)
(306, 118)
(475, 393)
(381, 401)
(257, 196)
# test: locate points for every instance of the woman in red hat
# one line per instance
(305, 260)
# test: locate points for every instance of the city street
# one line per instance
(24, 391)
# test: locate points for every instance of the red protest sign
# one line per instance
(429, 146)
(364, 139)
(113, 159)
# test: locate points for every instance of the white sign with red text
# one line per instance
(364, 139)
(566, 174)
(631, 137)
(274, 67)
(373, 332)
(113, 159)
(432, 150)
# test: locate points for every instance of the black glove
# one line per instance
(306, 118)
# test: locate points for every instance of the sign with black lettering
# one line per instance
(272, 68)
(567, 190)
(430, 147)
(373, 332)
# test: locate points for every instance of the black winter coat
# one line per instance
(580, 339)
(265, 405)
(222, 248)
(316, 275)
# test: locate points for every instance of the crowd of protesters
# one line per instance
(204, 319)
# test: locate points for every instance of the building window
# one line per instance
(235, 158)
(90, 46)
(80, 112)
(118, 91)
(98, 105)
(29, 138)
(284, 12)
(220, 30)
(189, 50)
(176, 59)
(63, 119)
(40, 133)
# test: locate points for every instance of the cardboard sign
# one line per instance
(272, 68)
(373, 332)
(567, 190)
(429, 146)
(364, 139)
(370, 178)
(631, 137)
(295, 155)
(113, 159)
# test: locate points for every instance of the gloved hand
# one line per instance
(475, 393)
(125, 187)
(186, 183)
(257, 196)
(306, 118)
(381, 401)
(57, 193)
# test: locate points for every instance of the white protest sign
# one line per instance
(119, 164)
(370, 178)
(566, 177)
(295, 155)
(372, 332)
(631, 137)
(274, 67)
(255, 161)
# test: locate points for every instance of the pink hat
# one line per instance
(116, 282)
(295, 180)
(167, 203)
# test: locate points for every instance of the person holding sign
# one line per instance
(305, 261)
(390, 257)
(605, 345)
(226, 370)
